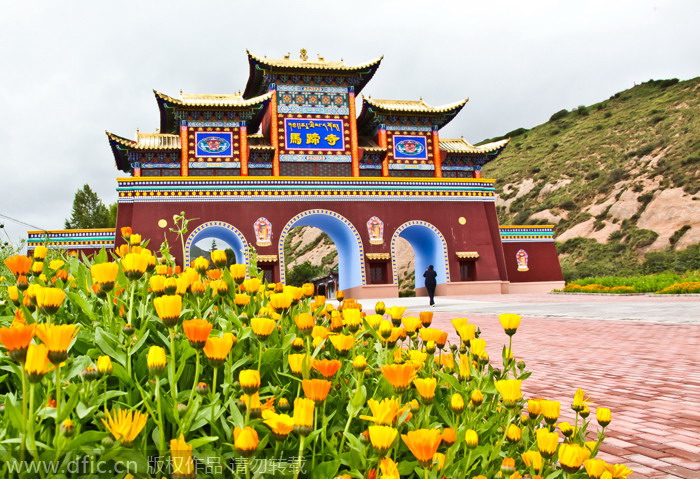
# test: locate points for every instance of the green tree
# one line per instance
(88, 211)
(303, 273)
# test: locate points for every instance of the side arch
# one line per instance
(351, 253)
(429, 247)
(222, 231)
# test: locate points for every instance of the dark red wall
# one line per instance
(480, 233)
(543, 262)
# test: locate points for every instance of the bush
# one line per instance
(559, 115)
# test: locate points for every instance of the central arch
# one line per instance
(429, 247)
(351, 253)
(221, 231)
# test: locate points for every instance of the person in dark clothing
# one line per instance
(430, 283)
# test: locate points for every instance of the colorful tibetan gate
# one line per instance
(290, 150)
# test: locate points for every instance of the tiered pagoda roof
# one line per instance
(260, 67)
(375, 112)
(460, 146)
(197, 102)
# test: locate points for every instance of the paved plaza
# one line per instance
(638, 355)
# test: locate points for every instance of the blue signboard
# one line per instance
(410, 147)
(210, 144)
(308, 134)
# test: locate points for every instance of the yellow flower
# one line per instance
(571, 457)
(477, 397)
(342, 343)
(50, 299)
(104, 365)
(219, 258)
(169, 309)
(466, 332)
(426, 389)
(513, 433)
(382, 437)
(389, 469)
(281, 300)
(566, 428)
(58, 339)
(618, 471)
(251, 285)
(305, 322)
(385, 412)
(457, 403)
(216, 349)
(245, 440)
(297, 363)
(307, 289)
(134, 265)
(280, 424)
(411, 324)
(477, 347)
(359, 363)
(155, 360)
(471, 438)
(303, 415)
(250, 380)
(105, 274)
(603, 415)
(580, 401)
(156, 283)
(181, 456)
(135, 240)
(380, 308)
(37, 362)
(534, 407)
(594, 467)
(533, 460)
(399, 376)
(40, 253)
(396, 312)
(241, 300)
(509, 389)
(547, 442)
(201, 264)
(352, 318)
(510, 323)
(550, 410)
(238, 272)
(262, 327)
(423, 443)
(197, 331)
(125, 425)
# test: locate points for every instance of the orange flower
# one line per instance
(423, 443)
(216, 349)
(399, 376)
(16, 340)
(57, 338)
(19, 265)
(37, 363)
(426, 389)
(305, 322)
(316, 389)
(327, 367)
(426, 318)
(197, 331)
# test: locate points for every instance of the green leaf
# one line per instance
(84, 305)
(135, 348)
(358, 401)
(105, 341)
(326, 470)
(201, 441)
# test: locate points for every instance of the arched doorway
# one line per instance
(351, 265)
(429, 247)
(218, 230)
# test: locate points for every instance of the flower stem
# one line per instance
(161, 423)
(171, 376)
(197, 372)
(58, 408)
(299, 457)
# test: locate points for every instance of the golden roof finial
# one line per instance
(303, 54)
(286, 57)
(180, 92)
(157, 130)
(320, 58)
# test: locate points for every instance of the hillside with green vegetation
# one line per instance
(620, 179)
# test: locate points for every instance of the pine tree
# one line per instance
(88, 211)
(213, 246)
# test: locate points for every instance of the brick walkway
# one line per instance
(648, 374)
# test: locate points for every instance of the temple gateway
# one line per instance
(292, 150)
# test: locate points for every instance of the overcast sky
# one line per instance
(72, 69)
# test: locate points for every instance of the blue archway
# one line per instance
(429, 247)
(351, 265)
(221, 231)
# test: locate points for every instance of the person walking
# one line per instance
(430, 283)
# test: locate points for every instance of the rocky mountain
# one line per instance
(623, 173)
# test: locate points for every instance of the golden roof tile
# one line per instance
(413, 106)
(460, 145)
(233, 100)
(305, 63)
(467, 254)
(148, 141)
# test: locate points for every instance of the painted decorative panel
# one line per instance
(218, 144)
(310, 134)
(323, 100)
